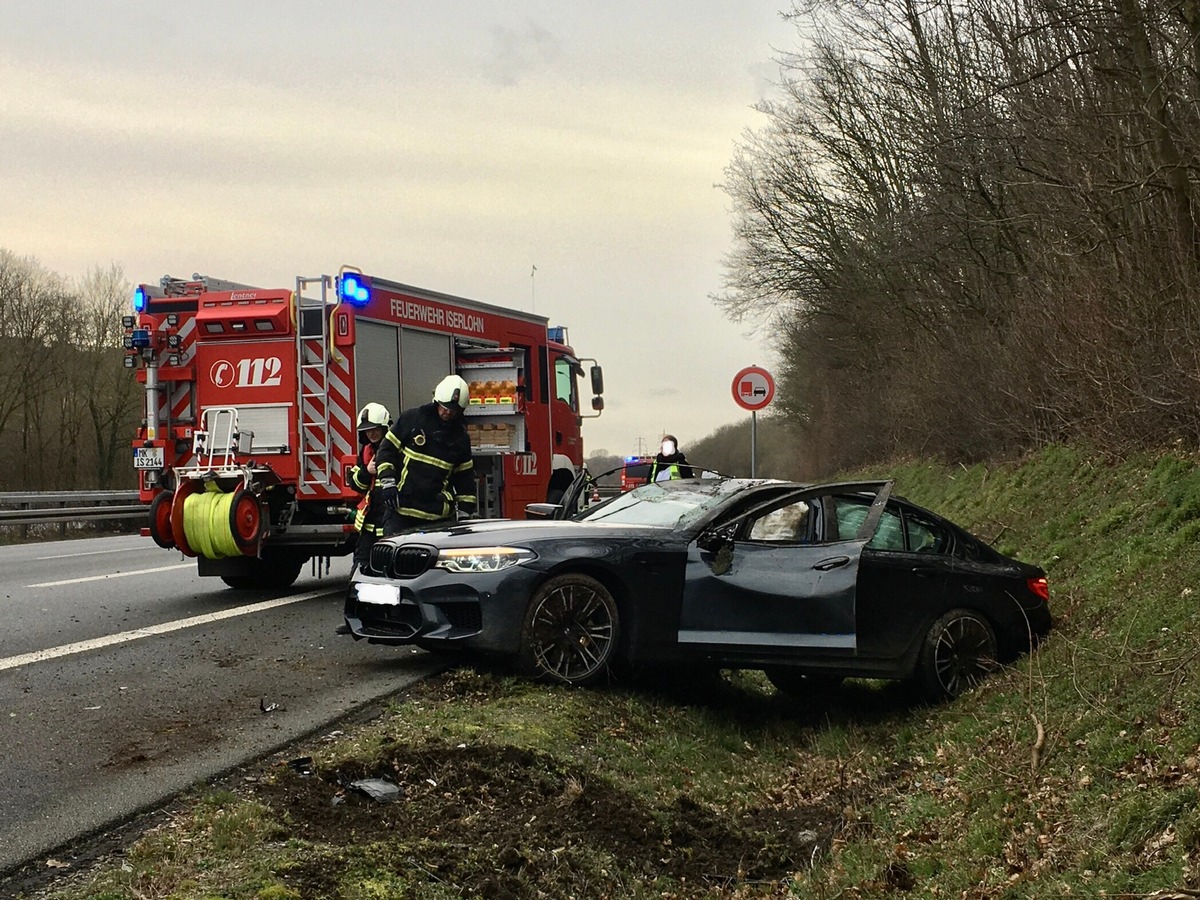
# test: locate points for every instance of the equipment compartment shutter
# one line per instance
(269, 425)
(377, 365)
(425, 359)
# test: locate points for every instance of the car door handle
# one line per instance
(924, 570)
(834, 562)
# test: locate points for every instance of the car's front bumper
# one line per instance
(483, 611)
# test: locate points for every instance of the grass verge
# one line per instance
(1075, 772)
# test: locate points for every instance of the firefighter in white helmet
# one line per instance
(426, 471)
(373, 423)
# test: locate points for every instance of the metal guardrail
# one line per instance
(60, 507)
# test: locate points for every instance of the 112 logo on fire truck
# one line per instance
(260, 372)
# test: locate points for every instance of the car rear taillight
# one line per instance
(1039, 586)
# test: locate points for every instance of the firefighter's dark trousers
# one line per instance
(371, 531)
(394, 523)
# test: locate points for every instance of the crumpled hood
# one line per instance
(475, 532)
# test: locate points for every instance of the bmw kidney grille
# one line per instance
(400, 562)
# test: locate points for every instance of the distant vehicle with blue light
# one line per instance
(251, 396)
(636, 471)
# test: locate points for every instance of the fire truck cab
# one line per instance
(251, 398)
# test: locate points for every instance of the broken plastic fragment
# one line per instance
(377, 788)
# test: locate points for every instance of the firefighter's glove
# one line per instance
(389, 493)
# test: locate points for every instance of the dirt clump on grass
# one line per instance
(500, 821)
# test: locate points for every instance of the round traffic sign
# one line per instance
(753, 388)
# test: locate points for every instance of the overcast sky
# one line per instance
(453, 146)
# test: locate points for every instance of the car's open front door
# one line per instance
(775, 579)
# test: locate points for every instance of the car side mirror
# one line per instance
(714, 539)
(598, 403)
(597, 381)
(542, 510)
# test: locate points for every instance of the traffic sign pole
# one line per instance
(753, 442)
(753, 389)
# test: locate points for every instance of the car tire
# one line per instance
(959, 651)
(794, 683)
(570, 631)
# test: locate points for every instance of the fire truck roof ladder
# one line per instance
(221, 284)
(312, 346)
(180, 287)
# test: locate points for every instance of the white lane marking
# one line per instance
(84, 553)
(109, 575)
(25, 659)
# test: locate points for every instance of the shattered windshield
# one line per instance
(670, 504)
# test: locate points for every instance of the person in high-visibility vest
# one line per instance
(373, 422)
(669, 463)
(425, 468)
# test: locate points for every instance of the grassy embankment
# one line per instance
(1074, 773)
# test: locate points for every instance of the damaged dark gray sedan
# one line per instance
(804, 582)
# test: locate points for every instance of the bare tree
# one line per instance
(67, 406)
(34, 309)
(970, 226)
(110, 392)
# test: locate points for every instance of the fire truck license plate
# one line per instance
(148, 457)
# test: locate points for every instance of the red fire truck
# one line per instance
(636, 471)
(251, 398)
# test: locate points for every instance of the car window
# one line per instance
(851, 512)
(788, 524)
(890, 533)
(973, 549)
(924, 535)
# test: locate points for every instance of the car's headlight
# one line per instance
(381, 594)
(482, 559)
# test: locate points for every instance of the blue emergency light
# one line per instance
(139, 300)
(139, 338)
(356, 289)
(557, 333)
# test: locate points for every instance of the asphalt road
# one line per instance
(125, 679)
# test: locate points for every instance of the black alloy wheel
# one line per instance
(571, 630)
(959, 652)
